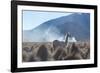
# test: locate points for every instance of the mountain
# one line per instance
(77, 24)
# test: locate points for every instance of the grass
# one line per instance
(50, 51)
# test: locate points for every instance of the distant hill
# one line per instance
(77, 24)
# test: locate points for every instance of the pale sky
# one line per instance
(32, 19)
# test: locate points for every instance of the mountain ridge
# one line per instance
(56, 29)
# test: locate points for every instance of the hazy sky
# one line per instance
(32, 19)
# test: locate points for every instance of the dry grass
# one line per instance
(48, 51)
